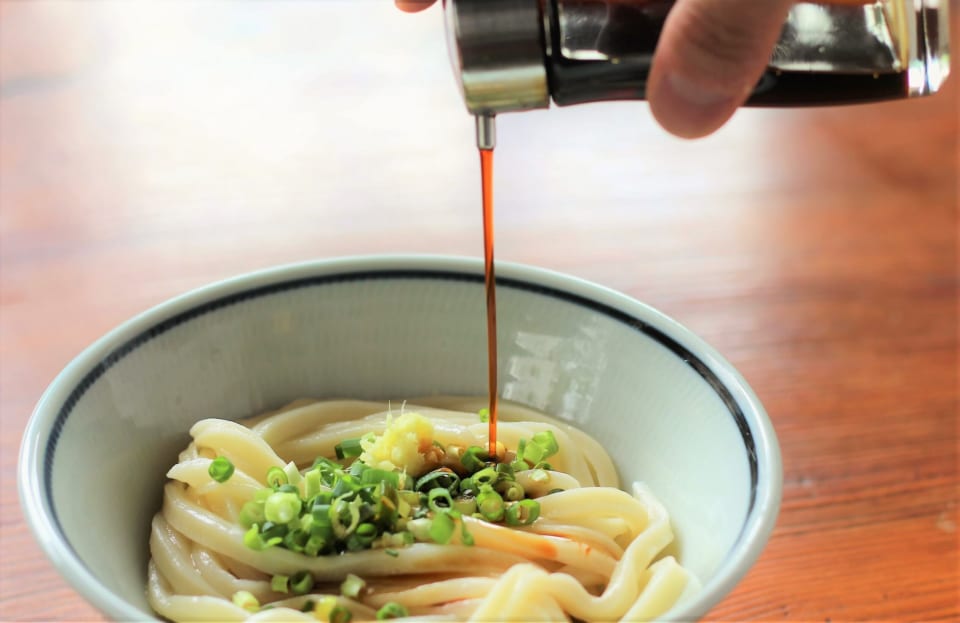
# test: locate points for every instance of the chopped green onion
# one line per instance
(293, 474)
(296, 540)
(301, 582)
(345, 485)
(546, 440)
(352, 586)
(312, 483)
(315, 544)
(484, 415)
(339, 614)
(465, 537)
(440, 477)
(365, 534)
(372, 476)
(387, 505)
(533, 453)
(392, 610)
(341, 511)
(324, 497)
(321, 514)
(282, 507)
(348, 448)
(522, 513)
(486, 476)
(439, 500)
(441, 528)
(471, 458)
(465, 504)
(280, 584)
(276, 477)
(543, 465)
(220, 469)
(252, 538)
(467, 485)
(246, 600)
(308, 605)
(511, 490)
(391, 552)
(490, 504)
(251, 513)
(506, 471)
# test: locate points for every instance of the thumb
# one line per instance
(710, 55)
(413, 6)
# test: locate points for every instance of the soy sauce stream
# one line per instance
(485, 142)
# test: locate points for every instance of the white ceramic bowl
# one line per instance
(672, 412)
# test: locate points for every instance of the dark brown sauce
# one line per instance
(490, 288)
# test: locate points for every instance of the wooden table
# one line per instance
(149, 148)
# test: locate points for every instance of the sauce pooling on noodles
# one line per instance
(348, 510)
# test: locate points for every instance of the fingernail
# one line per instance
(691, 110)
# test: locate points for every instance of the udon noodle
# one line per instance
(589, 551)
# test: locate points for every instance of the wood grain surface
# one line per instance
(147, 148)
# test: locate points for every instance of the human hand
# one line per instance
(710, 56)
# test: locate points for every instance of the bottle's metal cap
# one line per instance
(497, 50)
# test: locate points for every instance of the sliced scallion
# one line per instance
(392, 610)
(522, 513)
(441, 528)
(533, 453)
(276, 477)
(546, 440)
(348, 448)
(510, 491)
(473, 458)
(486, 476)
(340, 614)
(490, 504)
(439, 500)
(352, 586)
(282, 508)
(313, 483)
(220, 469)
(465, 504)
(280, 584)
(246, 600)
(301, 582)
(293, 474)
(441, 477)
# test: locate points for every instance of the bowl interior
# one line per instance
(114, 421)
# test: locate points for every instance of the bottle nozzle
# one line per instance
(486, 131)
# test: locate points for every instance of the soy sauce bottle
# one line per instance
(514, 55)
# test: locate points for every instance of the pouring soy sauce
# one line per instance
(486, 141)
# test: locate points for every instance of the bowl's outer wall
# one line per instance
(383, 336)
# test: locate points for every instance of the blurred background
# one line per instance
(148, 148)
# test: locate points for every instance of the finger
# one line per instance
(413, 6)
(710, 55)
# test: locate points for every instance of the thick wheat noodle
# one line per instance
(592, 555)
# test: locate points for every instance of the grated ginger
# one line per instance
(403, 445)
